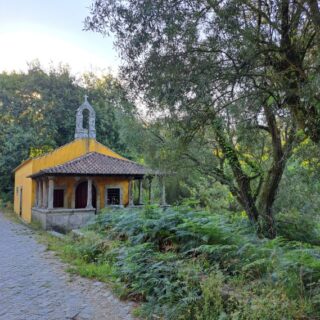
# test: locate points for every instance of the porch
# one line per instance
(70, 202)
(69, 195)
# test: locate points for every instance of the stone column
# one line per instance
(150, 190)
(40, 193)
(50, 193)
(130, 190)
(89, 195)
(44, 194)
(140, 192)
(36, 203)
(163, 191)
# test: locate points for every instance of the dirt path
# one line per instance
(34, 284)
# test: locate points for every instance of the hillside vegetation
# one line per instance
(184, 263)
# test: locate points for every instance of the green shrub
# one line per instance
(296, 226)
(183, 263)
(162, 280)
(269, 304)
(211, 303)
(92, 248)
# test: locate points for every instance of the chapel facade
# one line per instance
(65, 188)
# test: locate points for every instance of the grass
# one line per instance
(102, 272)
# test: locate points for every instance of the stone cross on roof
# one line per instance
(82, 132)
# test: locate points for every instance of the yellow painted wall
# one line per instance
(61, 155)
(26, 184)
(71, 151)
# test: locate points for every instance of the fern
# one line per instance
(185, 263)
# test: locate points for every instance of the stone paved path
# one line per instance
(34, 285)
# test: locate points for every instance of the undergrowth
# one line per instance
(181, 263)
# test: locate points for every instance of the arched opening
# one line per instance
(81, 195)
(85, 121)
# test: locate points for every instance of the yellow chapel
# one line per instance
(65, 188)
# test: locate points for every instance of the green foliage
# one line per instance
(210, 194)
(300, 187)
(37, 111)
(211, 303)
(270, 303)
(298, 226)
(183, 263)
(199, 65)
(101, 272)
(92, 248)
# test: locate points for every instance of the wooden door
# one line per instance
(81, 195)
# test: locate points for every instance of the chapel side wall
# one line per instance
(22, 181)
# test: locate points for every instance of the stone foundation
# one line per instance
(62, 220)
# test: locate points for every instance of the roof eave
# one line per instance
(46, 174)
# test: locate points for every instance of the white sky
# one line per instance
(51, 31)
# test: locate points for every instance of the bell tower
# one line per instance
(81, 131)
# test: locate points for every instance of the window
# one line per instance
(86, 116)
(58, 197)
(113, 196)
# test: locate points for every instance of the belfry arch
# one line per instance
(89, 131)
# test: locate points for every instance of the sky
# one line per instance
(52, 32)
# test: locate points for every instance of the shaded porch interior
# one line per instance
(94, 192)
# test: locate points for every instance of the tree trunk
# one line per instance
(267, 198)
(271, 183)
(244, 194)
(259, 206)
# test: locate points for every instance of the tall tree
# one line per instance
(233, 66)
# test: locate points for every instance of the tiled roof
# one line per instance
(94, 163)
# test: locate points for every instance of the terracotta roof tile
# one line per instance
(94, 163)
